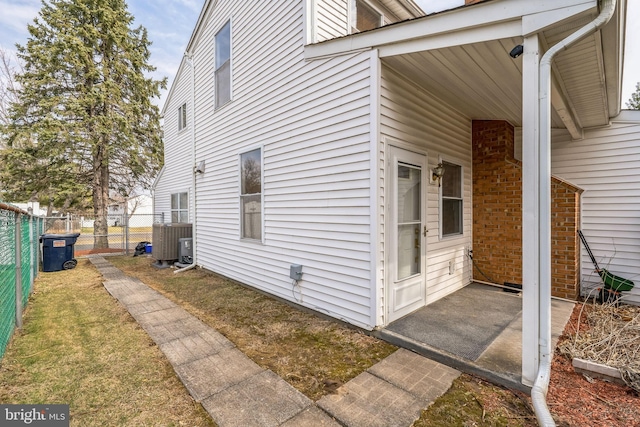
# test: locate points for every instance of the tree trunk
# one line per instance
(100, 199)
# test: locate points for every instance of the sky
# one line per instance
(170, 24)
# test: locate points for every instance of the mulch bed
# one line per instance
(575, 400)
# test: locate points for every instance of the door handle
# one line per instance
(425, 231)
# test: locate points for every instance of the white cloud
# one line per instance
(14, 19)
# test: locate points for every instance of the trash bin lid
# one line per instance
(60, 236)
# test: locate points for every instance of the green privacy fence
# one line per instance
(19, 246)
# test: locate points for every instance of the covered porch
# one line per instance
(477, 330)
(483, 62)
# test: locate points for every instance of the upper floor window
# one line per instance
(180, 207)
(223, 65)
(451, 199)
(364, 16)
(251, 194)
(182, 116)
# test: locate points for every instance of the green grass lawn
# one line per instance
(79, 347)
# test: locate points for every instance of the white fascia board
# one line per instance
(478, 15)
(534, 23)
(457, 38)
(627, 116)
(172, 87)
(157, 180)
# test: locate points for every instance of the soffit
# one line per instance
(483, 82)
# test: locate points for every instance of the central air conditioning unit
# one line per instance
(166, 242)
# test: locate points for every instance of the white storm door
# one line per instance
(407, 248)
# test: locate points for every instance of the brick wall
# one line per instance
(497, 214)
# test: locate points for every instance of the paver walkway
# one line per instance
(235, 391)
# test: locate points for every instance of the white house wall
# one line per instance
(410, 115)
(176, 177)
(331, 17)
(312, 121)
(606, 164)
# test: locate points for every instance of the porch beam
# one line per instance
(567, 114)
(457, 20)
(502, 30)
(530, 205)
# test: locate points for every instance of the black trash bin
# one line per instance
(57, 251)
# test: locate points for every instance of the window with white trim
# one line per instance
(364, 16)
(180, 207)
(451, 200)
(251, 194)
(182, 116)
(223, 65)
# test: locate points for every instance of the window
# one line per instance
(451, 213)
(180, 207)
(223, 65)
(365, 17)
(251, 194)
(182, 116)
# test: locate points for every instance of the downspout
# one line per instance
(191, 63)
(541, 384)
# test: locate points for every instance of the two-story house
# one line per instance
(379, 149)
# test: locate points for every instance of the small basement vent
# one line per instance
(166, 239)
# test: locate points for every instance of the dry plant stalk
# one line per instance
(612, 338)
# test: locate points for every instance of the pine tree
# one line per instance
(84, 122)
(634, 102)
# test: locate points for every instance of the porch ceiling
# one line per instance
(482, 81)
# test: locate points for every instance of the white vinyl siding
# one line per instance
(412, 116)
(176, 174)
(606, 164)
(312, 120)
(331, 19)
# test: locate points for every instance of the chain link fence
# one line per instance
(19, 260)
(123, 234)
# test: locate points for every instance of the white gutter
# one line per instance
(192, 199)
(541, 385)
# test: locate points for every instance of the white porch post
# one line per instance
(530, 209)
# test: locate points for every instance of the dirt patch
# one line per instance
(85, 252)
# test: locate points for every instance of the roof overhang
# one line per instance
(462, 57)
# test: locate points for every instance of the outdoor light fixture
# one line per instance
(436, 173)
(199, 167)
(516, 51)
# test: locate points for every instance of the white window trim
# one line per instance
(456, 162)
(352, 16)
(262, 221)
(230, 21)
(180, 209)
(182, 112)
